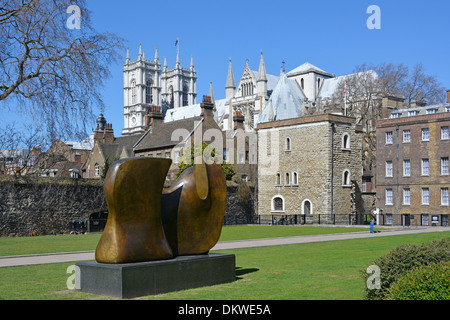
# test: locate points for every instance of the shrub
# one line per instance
(404, 258)
(427, 282)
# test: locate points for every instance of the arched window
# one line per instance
(318, 83)
(346, 141)
(171, 96)
(288, 144)
(302, 82)
(346, 178)
(278, 179)
(96, 170)
(288, 180)
(295, 178)
(133, 92)
(277, 203)
(148, 92)
(185, 95)
(307, 208)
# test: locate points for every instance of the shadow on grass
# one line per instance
(241, 271)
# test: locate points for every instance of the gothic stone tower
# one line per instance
(146, 85)
(142, 88)
(179, 85)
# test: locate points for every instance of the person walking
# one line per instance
(372, 221)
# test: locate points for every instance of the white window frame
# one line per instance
(288, 144)
(444, 197)
(389, 197)
(425, 196)
(444, 166)
(272, 203)
(425, 167)
(346, 141)
(294, 178)
(389, 137)
(389, 165)
(445, 134)
(406, 196)
(425, 134)
(303, 207)
(407, 136)
(346, 180)
(406, 168)
(278, 179)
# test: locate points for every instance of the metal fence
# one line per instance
(354, 219)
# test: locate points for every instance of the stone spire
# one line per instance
(192, 63)
(261, 82)
(178, 64)
(230, 78)
(140, 51)
(156, 55)
(127, 61)
(211, 93)
(262, 76)
(230, 86)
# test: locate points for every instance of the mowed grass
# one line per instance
(322, 270)
(87, 242)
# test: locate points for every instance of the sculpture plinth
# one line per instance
(130, 280)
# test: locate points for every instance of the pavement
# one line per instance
(11, 261)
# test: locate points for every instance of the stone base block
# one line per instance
(155, 277)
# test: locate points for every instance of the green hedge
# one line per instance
(427, 282)
(403, 259)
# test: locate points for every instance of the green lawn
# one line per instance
(323, 270)
(86, 242)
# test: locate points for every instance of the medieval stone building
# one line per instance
(309, 165)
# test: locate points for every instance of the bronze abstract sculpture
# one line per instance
(147, 222)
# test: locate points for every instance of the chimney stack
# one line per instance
(448, 96)
(153, 117)
(207, 108)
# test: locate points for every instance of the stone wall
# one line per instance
(46, 208)
(50, 207)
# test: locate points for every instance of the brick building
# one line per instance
(413, 181)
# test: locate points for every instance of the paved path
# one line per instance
(224, 245)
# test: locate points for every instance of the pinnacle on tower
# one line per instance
(230, 78)
(128, 56)
(262, 69)
(211, 93)
(140, 51)
(156, 55)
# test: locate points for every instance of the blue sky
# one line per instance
(331, 34)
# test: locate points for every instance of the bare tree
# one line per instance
(361, 95)
(50, 71)
(422, 88)
(20, 150)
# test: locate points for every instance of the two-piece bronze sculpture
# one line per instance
(148, 222)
